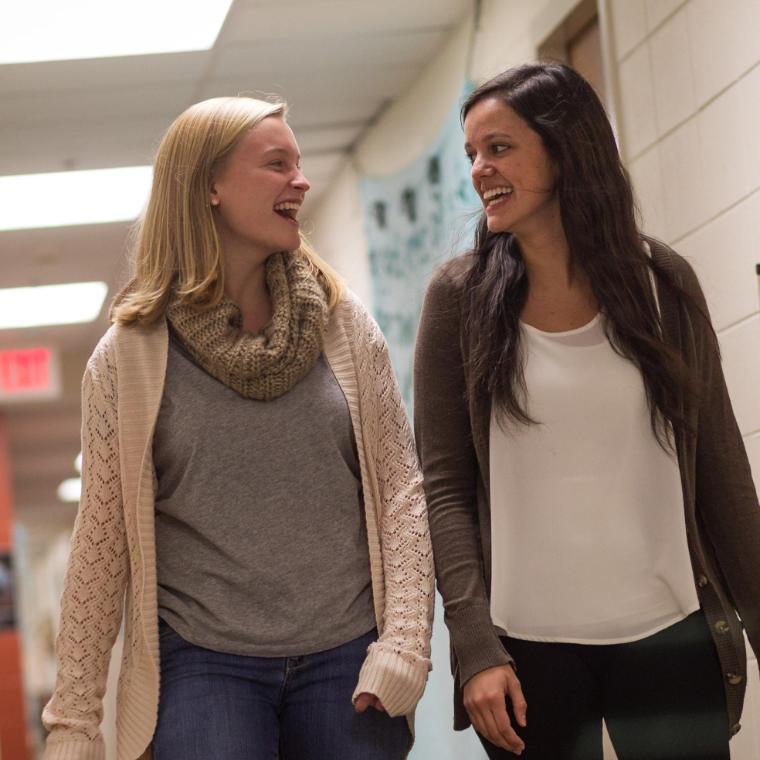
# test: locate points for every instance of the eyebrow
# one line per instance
(284, 151)
(492, 136)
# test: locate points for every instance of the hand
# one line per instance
(365, 700)
(485, 701)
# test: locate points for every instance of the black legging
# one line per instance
(662, 697)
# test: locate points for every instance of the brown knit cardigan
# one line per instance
(722, 514)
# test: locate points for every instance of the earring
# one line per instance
(215, 202)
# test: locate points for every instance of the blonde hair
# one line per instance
(175, 248)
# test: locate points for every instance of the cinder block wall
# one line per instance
(688, 97)
(689, 108)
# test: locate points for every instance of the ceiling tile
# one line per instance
(272, 59)
(255, 22)
(105, 143)
(86, 106)
(97, 73)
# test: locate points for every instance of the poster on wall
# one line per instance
(7, 612)
(416, 219)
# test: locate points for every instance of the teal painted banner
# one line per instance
(415, 219)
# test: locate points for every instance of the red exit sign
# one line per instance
(29, 373)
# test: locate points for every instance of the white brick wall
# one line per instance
(688, 78)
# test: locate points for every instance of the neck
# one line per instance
(546, 254)
(560, 297)
(245, 284)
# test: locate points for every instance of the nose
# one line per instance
(480, 168)
(300, 182)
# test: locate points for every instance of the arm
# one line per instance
(449, 462)
(91, 607)
(725, 494)
(444, 442)
(397, 664)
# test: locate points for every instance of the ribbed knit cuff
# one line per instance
(476, 644)
(74, 749)
(397, 683)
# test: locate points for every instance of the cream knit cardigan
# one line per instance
(112, 567)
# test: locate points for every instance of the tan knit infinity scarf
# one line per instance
(269, 364)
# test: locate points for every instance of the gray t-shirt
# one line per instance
(261, 539)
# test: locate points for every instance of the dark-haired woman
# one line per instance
(595, 526)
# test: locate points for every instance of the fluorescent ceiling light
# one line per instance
(70, 489)
(51, 304)
(51, 30)
(61, 199)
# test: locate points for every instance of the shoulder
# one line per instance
(676, 265)
(104, 353)
(680, 278)
(446, 291)
(350, 304)
(123, 341)
(451, 276)
(354, 317)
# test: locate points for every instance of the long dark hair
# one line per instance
(599, 220)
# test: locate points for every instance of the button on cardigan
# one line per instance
(112, 566)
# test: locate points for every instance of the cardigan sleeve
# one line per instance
(444, 441)
(397, 665)
(95, 582)
(725, 494)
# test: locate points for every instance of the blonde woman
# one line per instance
(251, 496)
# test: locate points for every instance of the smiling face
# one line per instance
(512, 171)
(258, 190)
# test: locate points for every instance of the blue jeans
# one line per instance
(216, 706)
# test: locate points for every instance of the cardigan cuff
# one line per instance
(477, 646)
(395, 681)
(74, 749)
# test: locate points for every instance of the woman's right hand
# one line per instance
(485, 699)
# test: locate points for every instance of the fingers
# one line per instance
(504, 730)
(492, 722)
(485, 698)
(491, 730)
(517, 698)
(365, 700)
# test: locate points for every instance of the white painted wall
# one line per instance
(687, 80)
(338, 234)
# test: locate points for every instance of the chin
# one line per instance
(497, 225)
(287, 244)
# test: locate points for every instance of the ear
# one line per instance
(213, 196)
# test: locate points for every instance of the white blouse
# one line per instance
(588, 529)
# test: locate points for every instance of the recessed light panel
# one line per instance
(51, 304)
(51, 30)
(70, 489)
(60, 199)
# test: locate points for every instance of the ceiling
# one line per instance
(337, 62)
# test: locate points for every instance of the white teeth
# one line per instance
(496, 191)
(288, 206)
